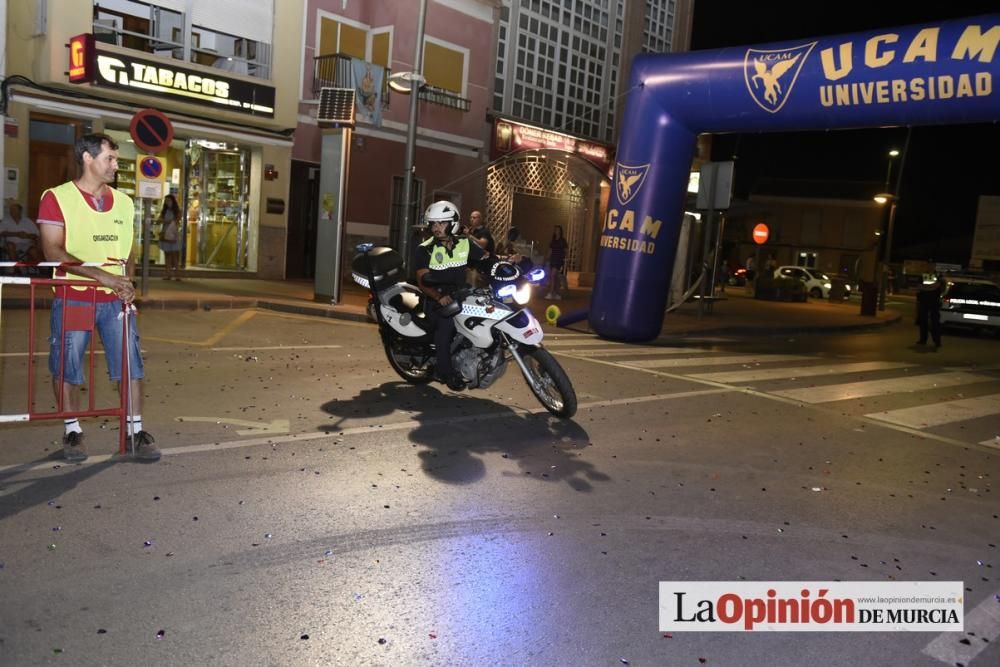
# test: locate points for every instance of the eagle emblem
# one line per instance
(628, 180)
(770, 75)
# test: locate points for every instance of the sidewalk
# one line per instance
(734, 313)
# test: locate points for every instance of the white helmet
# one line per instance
(443, 211)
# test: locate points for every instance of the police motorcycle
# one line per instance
(492, 326)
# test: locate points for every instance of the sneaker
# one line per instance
(73, 449)
(145, 450)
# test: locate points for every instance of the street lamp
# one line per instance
(411, 82)
(891, 196)
(883, 198)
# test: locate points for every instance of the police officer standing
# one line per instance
(929, 308)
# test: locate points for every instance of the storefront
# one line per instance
(228, 162)
(217, 183)
(211, 182)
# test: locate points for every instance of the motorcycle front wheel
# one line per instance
(550, 385)
(413, 364)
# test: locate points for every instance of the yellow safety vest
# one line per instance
(440, 259)
(95, 236)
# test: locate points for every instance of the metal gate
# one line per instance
(550, 174)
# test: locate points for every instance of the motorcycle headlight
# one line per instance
(523, 295)
(506, 291)
(537, 276)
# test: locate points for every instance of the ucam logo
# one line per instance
(770, 74)
(628, 180)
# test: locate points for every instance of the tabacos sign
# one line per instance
(875, 71)
(117, 70)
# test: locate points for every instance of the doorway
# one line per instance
(51, 141)
(303, 200)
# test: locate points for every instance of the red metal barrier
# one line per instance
(75, 318)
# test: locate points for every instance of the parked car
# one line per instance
(818, 284)
(738, 277)
(971, 302)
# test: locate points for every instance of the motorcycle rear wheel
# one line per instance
(404, 368)
(556, 392)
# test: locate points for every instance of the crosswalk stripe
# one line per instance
(713, 361)
(926, 416)
(592, 342)
(801, 371)
(637, 351)
(842, 392)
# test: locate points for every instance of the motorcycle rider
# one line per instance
(447, 256)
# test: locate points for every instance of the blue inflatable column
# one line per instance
(639, 240)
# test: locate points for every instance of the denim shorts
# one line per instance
(107, 321)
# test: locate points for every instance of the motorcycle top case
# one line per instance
(384, 266)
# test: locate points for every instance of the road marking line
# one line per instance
(250, 427)
(360, 430)
(254, 348)
(714, 361)
(992, 442)
(781, 399)
(244, 317)
(926, 416)
(39, 353)
(587, 342)
(981, 623)
(637, 351)
(801, 371)
(901, 385)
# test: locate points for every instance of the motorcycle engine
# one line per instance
(479, 367)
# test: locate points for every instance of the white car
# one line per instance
(971, 302)
(818, 284)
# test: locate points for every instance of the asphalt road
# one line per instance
(312, 509)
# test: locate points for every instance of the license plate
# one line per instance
(976, 316)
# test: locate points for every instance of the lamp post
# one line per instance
(884, 198)
(892, 197)
(415, 80)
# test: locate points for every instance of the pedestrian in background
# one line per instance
(87, 220)
(478, 233)
(19, 236)
(556, 260)
(170, 239)
(929, 308)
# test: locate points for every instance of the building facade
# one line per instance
(224, 72)
(836, 227)
(562, 67)
(359, 44)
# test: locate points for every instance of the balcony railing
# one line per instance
(445, 98)
(334, 71)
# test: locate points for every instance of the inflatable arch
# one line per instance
(935, 73)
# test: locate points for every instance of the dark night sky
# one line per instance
(947, 167)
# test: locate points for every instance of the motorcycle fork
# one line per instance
(528, 377)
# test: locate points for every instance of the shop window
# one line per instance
(806, 259)
(444, 66)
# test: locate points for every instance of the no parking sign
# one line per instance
(151, 176)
